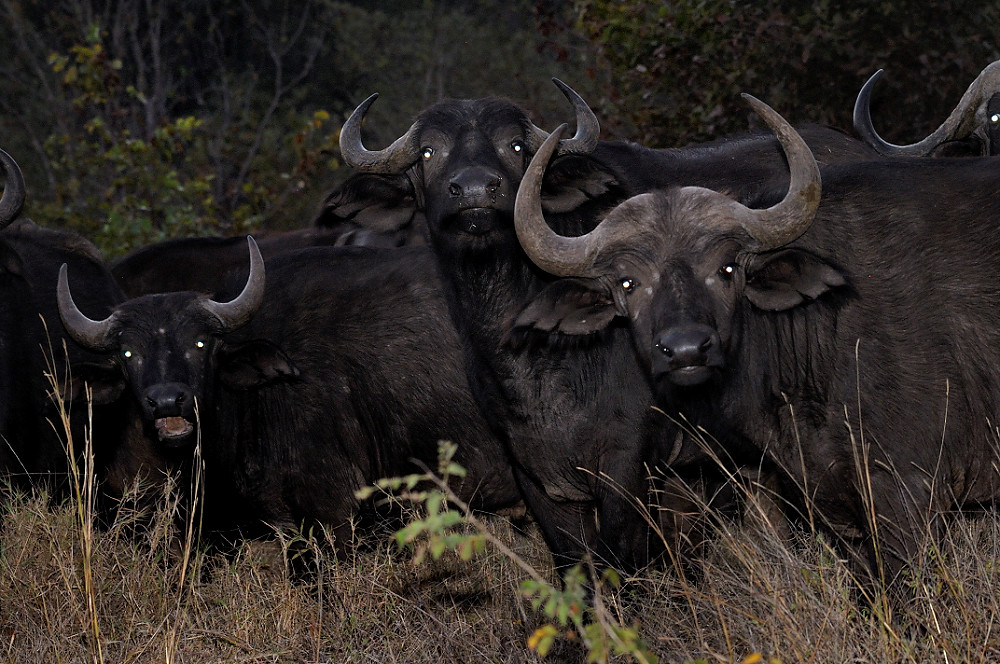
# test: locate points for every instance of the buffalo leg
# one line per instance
(568, 527)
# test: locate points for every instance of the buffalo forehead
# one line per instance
(486, 115)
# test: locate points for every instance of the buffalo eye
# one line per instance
(127, 354)
(727, 271)
(995, 118)
(517, 146)
(199, 344)
(427, 153)
(628, 285)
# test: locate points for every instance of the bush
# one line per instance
(677, 68)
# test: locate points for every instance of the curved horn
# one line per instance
(238, 311)
(13, 191)
(588, 129)
(89, 333)
(393, 159)
(791, 217)
(959, 124)
(554, 253)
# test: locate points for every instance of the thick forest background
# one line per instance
(139, 120)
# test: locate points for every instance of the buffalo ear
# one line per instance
(254, 364)
(572, 181)
(105, 381)
(571, 307)
(786, 279)
(382, 203)
(10, 260)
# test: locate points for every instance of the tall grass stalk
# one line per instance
(82, 486)
(190, 558)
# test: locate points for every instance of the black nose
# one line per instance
(684, 346)
(168, 399)
(474, 182)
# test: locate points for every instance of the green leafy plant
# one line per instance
(114, 186)
(576, 611)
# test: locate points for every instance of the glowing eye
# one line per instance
(995, 117)
(627, 285)
(127, 354)
(199, 344)
(427, 153)
(727, 271)
(516, 146)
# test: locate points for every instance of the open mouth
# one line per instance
(173, 430)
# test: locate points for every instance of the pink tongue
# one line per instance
(172, 426)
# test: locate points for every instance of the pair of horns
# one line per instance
(404, 151)
(770, 228)
(962, 122)
(98, 334)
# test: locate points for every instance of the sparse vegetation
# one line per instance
(758, 597)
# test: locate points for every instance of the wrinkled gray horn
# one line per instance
(588, 129)
(238, 311)
(554, 253)
(89, 333)
(962, 121)
(791, 217)
(393, 159)
(13, 190)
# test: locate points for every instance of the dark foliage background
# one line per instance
(677, 67)
(137, 120)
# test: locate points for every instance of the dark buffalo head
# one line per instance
(676, 264)
(975, 121)
(464, 159)
(165, 346)
(993, 124)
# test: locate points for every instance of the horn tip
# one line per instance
(753, 102)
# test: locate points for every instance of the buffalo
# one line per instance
(43, 373)
(202, 263)
(973, 128)
(302, 387)
(574, 408)
(853, 339)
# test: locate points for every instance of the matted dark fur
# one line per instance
(575, 411)
(861, 358)
(329, 387)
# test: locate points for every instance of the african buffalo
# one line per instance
(341, 367)
(973, 128)
(854, 340)
(34, 346)
(202, 263)
(574, 408)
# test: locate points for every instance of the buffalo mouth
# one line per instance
(475, 221)
(173, 431)
(689, 376)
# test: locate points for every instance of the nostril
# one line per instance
(493, 185)
(706, 345)
(151, 402)
(179, 399)
(666, 350)
(455, 189)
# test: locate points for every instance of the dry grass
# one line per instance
(789, 599)
(143, 589)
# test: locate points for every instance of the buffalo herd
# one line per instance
(610, 334)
